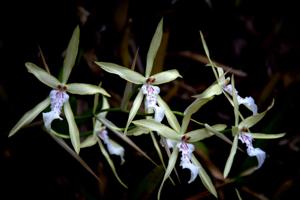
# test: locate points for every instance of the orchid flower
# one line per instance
(100, 132)
(241, 132)
(58, 98)
(181, 142)
(100, 136)
(149, 82)
(222, 85)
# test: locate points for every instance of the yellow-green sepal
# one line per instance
(134, 109)
(159, 128)
(190, 110)
(205, 177)
(73, 129)
(110, 162)
(89, 141)
(231, 156)
(85, 89)
(170, 167)
(212, 90)
(252, 120)
(137, 131)
(267, 136)
(153, 48)
(42, 75)
(165, 76)
(171, 118)
(123, 72)
(70, 55)
(29, 116)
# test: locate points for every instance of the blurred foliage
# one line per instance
(259, 39)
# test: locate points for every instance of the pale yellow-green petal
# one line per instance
(105, 105)
(96, 100)
(171, 118)
(170, 167)
(238, 194)
(253, 119)
(85, 89)
(159, 128)
(153, 48)
(110, 162)
(89, 141)
(42, 75)
(137, 131)
(231, 156)
(157, 148)
(73, 129)
(212, 90)
(267, 136)
(208, 56)
(235, 102)
(165, 76)
(134, 109)
(204, 45)
(198, 134)
(123, 72)
(190, 110)
(205, 177)
(29, 116)
(70, 55)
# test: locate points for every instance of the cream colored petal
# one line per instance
(29, 116)
(70, 55)
(42, 75)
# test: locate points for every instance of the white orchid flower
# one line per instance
(241, 132)
(58, 98)
(222, 85)
(180, 141)
(149, 82)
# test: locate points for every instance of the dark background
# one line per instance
(258, 37)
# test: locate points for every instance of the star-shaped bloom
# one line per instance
(241, 132)
(58, 98)
(181, 142)
(149, 82)
(222, 86)
(100, 131)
